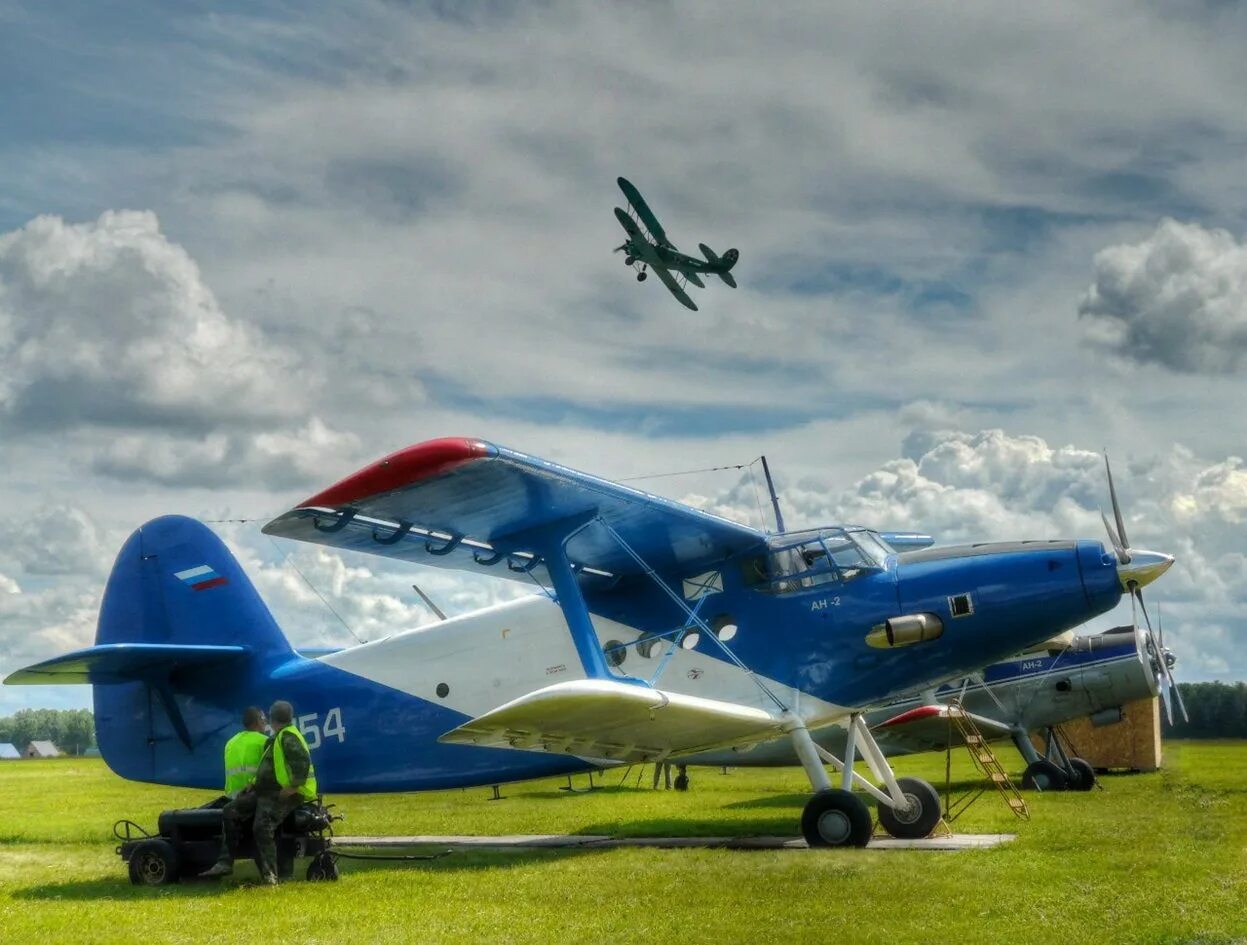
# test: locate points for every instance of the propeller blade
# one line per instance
(1178, 693)
(1112, 494)
(1169, 686)
(1122, 557)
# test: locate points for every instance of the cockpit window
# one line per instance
(801, 560)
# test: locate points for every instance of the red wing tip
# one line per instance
(914, 715)
(403, 468)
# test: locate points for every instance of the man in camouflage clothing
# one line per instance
(283, 782)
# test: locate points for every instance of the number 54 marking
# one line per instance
(314, 733)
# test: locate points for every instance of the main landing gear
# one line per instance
(642, 275)
(909, 808)
(1056, 769)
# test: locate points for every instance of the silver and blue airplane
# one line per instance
(656, 253)
(1061, 680)
(656, 632)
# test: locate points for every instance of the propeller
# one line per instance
(1135, 568)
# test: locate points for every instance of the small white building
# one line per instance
(9, 752)
(42, 750)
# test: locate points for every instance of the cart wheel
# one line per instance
(323, 868)
(154, 863)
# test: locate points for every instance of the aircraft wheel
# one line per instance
(681, 782)
(917, 820)
(640, 276)
(836, 818)
(1043, 775)
(1084, 775)
(154, 863)
(629, 260)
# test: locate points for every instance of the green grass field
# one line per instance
(1152, 858)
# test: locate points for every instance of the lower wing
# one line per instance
(616, 721)
(674, 287)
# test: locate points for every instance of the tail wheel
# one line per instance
(154, 863)
(1084, 775)
(919, 817)
(836, 818)
(1043, 775)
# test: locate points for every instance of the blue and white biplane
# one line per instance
(662, 632)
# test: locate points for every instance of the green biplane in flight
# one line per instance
(656, 252)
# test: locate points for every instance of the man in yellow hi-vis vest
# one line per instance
(243, 752)
(285, 780)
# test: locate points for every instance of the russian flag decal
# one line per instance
(200, 578)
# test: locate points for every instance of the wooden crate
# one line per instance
(1133, 744)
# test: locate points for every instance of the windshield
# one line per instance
(800, 560)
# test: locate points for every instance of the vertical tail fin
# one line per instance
(176, 584)
(174, 581)
(726, 261)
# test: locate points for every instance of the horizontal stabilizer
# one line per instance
(615, 721)
(122, 663)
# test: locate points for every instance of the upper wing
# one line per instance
(645, 213)
(457, 503)
(669, 281)
(600, 718)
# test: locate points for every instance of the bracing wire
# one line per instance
(289, 559)
(686, 472)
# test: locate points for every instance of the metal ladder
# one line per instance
(985, 761)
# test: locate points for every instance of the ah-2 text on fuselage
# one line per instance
(656, 253)
(664, 631)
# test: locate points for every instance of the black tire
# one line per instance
(1084, 775)
(1042, 776)
(641, 276)
(322, 869)
(628, 260)
(681, 782)
(836, 818)
(920, 819)
(154, 863)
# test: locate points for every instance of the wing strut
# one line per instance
(691, 615)
(549, 542)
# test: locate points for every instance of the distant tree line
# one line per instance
(1217, 710)
(70, 730)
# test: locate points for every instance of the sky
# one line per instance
(248, 248)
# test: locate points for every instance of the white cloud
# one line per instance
(1177, 298)
(281, 459)
(110, 323)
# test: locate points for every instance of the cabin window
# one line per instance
(802, 560)
(960, 605)
(615, 652)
